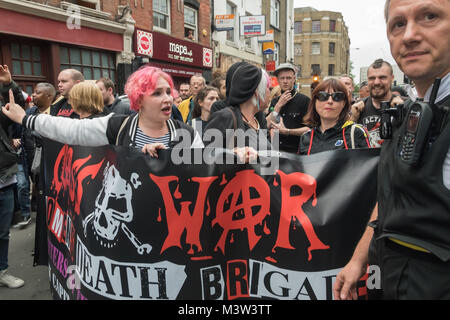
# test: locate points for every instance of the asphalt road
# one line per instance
(37, 286)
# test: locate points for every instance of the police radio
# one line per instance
(417, 132)
(423, 121)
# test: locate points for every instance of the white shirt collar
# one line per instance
(444, 89)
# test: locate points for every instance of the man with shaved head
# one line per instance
(67, 78)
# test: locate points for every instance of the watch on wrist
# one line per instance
(274, 113)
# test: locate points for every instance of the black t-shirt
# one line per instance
(292, 113)
(370, 117)
(63, 109)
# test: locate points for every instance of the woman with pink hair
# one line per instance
(150, 129)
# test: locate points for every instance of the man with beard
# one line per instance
(288, 110)
(368, 111)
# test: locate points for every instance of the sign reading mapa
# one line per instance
(145, 43)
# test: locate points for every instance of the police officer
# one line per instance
(411, 237)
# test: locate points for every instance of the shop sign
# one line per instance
(252, 26)
(173, 50)
(224, 22)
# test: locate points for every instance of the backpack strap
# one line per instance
(311, 141)
(124, 123)
(352, 136)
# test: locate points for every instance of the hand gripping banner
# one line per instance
(122, 225)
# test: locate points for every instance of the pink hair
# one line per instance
(142, 83)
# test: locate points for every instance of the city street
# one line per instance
(36, 286)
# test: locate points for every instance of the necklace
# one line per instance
(248, 122)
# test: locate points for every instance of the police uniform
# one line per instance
(413, 230)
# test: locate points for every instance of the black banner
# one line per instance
(122, 225)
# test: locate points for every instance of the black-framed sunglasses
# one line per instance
(337, 96)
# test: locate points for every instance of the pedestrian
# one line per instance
(223, 103)
(186, 107)
(43, 96)
(8, 170)
(185, 91)
(363, 90)
(202, 106)
(111, 103)
(411, 240)
(249, 94)
(149, 130)
(368, 111)
(220, 83)
(86, 100)
(288, 110)
(66, 80)
(347, 80)
(328, 115)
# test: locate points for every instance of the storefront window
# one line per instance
(26, 60)
(93, 64)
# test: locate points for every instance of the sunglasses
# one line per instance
(336, 96)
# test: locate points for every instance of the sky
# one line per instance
(366, 28)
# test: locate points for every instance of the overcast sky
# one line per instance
(366, 27)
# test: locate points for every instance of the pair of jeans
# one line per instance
(23, 191)
(6, 214)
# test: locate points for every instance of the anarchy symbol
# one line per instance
(251, 210)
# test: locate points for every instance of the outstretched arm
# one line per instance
(87, 132)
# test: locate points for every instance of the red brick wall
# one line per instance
(143, 15)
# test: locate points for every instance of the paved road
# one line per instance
(36, 286)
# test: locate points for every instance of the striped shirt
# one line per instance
(142, 139)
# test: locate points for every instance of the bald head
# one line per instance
(67, 79)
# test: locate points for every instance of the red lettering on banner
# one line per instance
(57, 222)
(242, 216)
(68, 176)
(237, 279)
(291, 208)
(177, 222)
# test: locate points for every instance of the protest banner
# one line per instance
(123, 225)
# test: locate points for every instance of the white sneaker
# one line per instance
(10, 281)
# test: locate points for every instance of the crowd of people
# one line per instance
(150, 117)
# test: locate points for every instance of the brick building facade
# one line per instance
(39, 38)
(321, 45)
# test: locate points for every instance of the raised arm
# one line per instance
(86, 132)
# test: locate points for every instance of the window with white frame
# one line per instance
(275, 13)
(190, 23)
(231, 9)
(316, 26)
(161, 15)
(315, 48)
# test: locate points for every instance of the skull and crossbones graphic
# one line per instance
(113, 210)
